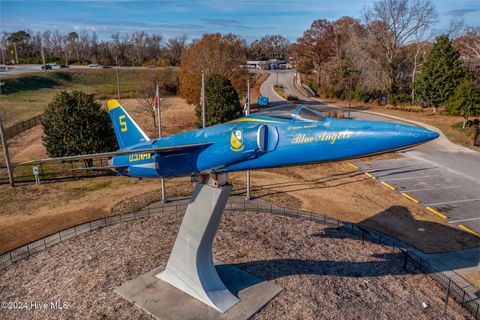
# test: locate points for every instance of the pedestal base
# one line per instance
(166, 302)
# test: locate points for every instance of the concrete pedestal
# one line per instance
(163, 301)
(191, 286)
(190, 267)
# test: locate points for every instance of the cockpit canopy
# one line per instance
(293, 112)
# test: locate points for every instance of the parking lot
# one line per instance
(441, 191)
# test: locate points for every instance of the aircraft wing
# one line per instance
(160, 150)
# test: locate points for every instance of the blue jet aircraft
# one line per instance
(279, 136)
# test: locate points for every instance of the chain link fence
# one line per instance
(470, 302)
(22, 126)
(56, 171)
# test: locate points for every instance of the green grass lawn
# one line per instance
(25, 96)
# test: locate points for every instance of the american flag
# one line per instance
(156, 100)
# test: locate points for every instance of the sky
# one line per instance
(248, 18)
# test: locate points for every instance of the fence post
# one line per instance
(446, 296)
(41, 171)
(405, 260)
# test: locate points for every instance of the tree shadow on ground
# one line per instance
(34, 82)
(381, 264)
(427, 236)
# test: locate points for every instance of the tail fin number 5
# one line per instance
(123, 123)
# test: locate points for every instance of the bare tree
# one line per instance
(147, 91)
(393, 24)
(316, 44)
(175, 47)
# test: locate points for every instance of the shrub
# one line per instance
(465, 101)
(221, 100)
(75, 124)
(360, 95)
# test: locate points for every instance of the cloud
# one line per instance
(226, 23)
(461, 12)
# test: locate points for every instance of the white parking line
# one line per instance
(455, 221)
(431, 189)
(406, 178)
(456, 201)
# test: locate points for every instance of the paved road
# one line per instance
(35, 68)
(440, 174)
(284, 77)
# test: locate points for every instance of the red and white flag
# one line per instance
(156, 99)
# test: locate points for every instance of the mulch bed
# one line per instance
(326, 273)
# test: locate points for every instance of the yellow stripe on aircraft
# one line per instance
(254, 120)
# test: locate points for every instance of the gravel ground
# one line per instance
(326, 273)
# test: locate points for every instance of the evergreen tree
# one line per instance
(465, 102)
(441, 73)
(221, 99)
(75, 124)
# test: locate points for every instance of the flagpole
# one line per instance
(203, 101)
(157, 98)
(157, 94)
(247, 112)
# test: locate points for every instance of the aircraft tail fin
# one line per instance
(126, 129)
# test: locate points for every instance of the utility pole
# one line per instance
(118, 83)
(247, 112)
(7, 156)
(350, 73)
(277, 73)
(43, 58)
(16, 54)
(3, 59)
(202, 100)
(157, 105)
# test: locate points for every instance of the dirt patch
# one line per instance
(474, 278)
(339, 191)
(178, 116)
(326, 273)
(29, 212)
(27, 146)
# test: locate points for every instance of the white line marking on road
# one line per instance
(406, 178)
(431, 189)
(455, 221)
(435, 204)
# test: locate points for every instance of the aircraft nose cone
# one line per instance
(415, 135)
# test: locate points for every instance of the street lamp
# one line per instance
(350, 73)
